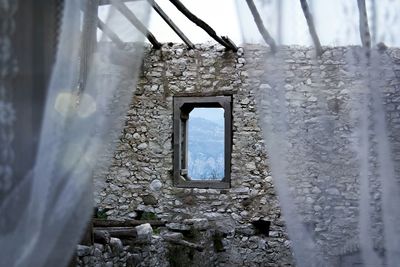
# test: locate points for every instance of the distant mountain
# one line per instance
(206, 149)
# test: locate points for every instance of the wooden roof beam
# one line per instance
(107, 31)
(110, 33)
(173, 26)
(88, 41)
(124, 10)
(364, 28)
(202, 25)
(311, 27)
(230, 42)
(260, 25)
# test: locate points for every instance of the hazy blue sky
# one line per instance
(212, 114)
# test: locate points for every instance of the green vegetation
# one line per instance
(101, 214)
(147, 216)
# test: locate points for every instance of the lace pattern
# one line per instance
(8, 70)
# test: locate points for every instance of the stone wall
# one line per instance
(224, 221)
(116, 253)
(317, 110)
(140, 179)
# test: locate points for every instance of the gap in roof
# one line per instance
(221, 15)
(336, 21)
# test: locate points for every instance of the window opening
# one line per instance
(206, 144)
(202, 141)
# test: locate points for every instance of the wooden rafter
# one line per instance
(88, 40)
(173, 26)
(260, 25)
(107, 31)
(202, 25)
(311, 26)
(364, 28)
(124, 10)
(110, 33)
(373, 21)
(229, 42)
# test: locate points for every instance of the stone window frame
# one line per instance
(183, 105)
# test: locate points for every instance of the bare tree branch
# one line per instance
(311, 27)
(260, 25)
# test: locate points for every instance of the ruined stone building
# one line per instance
(236, 222)
(309, 136)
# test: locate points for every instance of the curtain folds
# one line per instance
(331, 131)
(45, 213)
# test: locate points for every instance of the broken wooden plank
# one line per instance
(173, 26)
(124, 10)
(311, 26)
(110, 33)
(260, 25)
(125, 223)
(363, 21)
(201, 24)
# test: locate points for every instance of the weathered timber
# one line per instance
(107, 31)
(87, 237)
(89, 40)
(260, 25)
(363, 24)
(101, 236)
(110, 33)
(230, 42)
(124, 10)
(202, 24)
(125, 223)
(173, 26)
(374, 22)
(311, 27)
(118, 232)
(184, 243)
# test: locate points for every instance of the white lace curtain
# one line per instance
(45, 213)
(330, 129)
